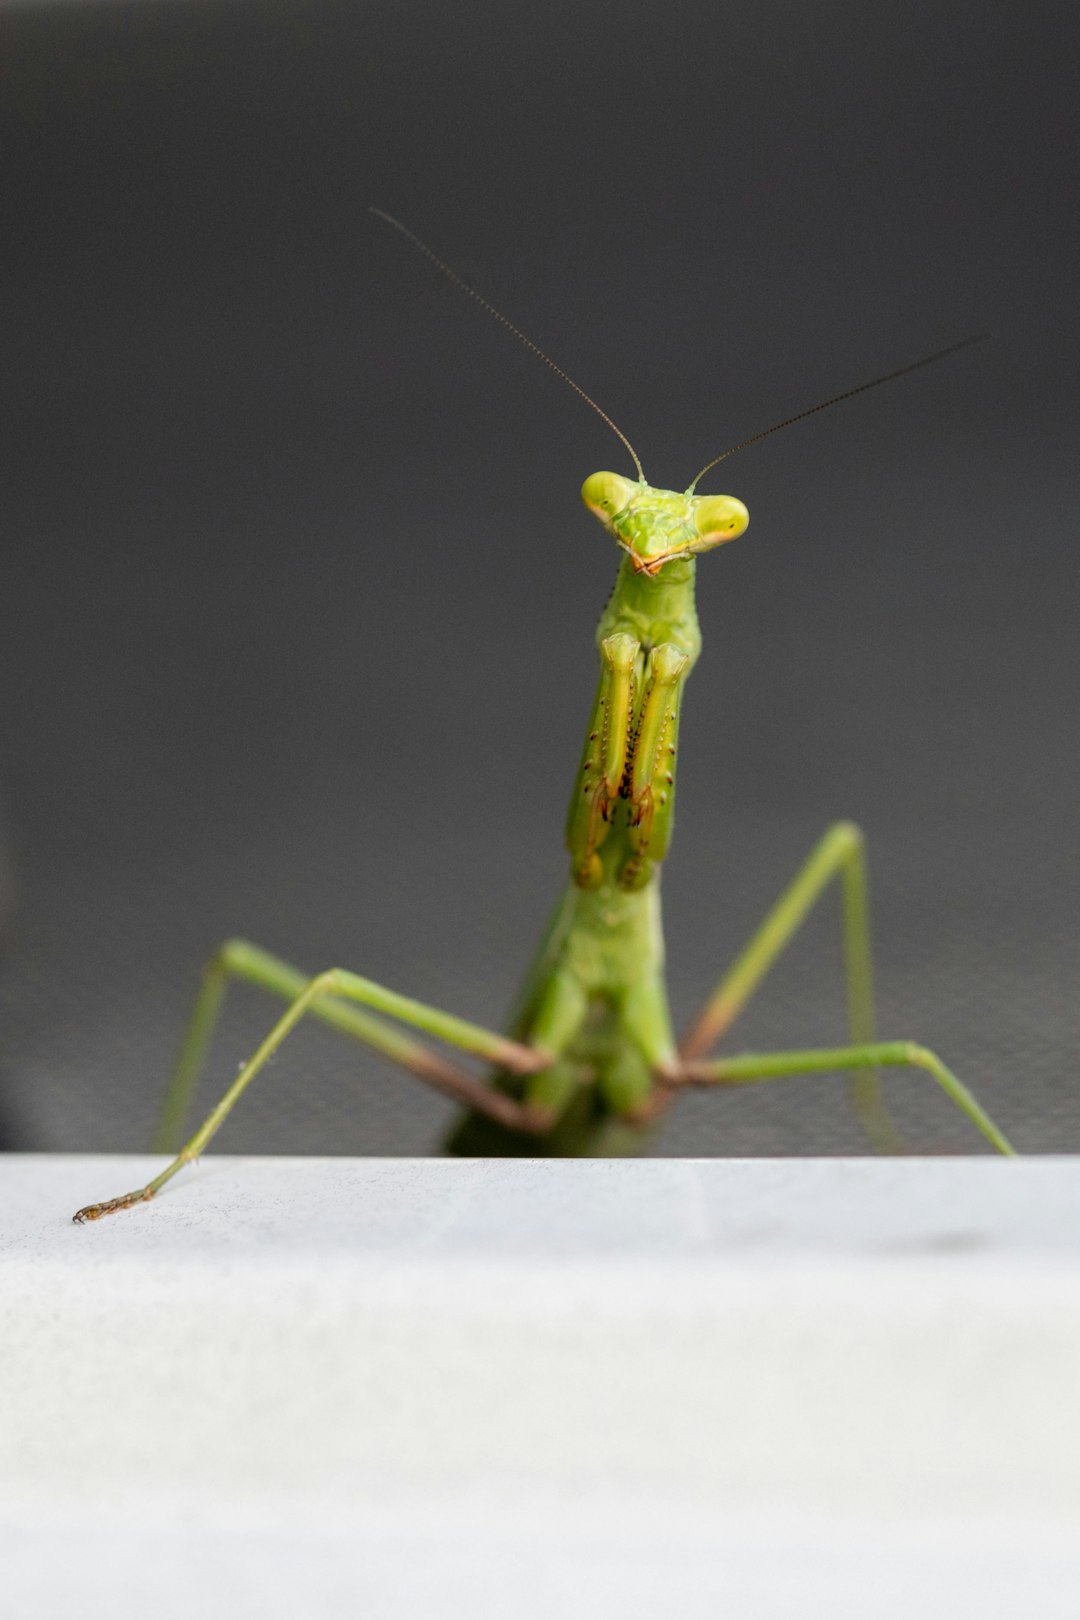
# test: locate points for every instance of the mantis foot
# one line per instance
(94, 1212)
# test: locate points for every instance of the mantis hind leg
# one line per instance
(328, 996)
(839, 854)
(238, 959)
(751, 1067)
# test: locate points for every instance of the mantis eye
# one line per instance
(718, 518)
(605, 494)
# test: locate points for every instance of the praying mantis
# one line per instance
(589, 1060)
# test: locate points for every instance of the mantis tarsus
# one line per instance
(590, 1059)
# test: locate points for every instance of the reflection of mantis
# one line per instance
(590, 1059)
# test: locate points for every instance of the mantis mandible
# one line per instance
(590, 1059)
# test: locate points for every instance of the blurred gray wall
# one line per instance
(298, 597)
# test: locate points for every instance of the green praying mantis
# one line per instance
(590, 1060)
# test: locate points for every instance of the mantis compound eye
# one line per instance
(605, 494)
(718, 518)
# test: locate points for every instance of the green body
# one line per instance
(590, 1058)
(595, 996)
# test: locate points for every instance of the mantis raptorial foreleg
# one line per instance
(841, 853)
(324, 997)
(651, 778)
(603, 762)
(629, 754)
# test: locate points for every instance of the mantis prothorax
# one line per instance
(590, 1059)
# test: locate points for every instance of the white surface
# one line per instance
(391, 1387)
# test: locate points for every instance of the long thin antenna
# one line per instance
(453, 277)
(849, 393)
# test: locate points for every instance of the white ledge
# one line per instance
(536, 1388)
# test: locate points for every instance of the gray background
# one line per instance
(298, 598)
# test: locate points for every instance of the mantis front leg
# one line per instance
(603, 763)
(650, 785)
(629, 755)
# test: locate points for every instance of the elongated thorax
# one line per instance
(621, 810)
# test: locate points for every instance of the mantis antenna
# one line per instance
(849, 393)
(463, 286)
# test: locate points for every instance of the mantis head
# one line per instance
(658, 526)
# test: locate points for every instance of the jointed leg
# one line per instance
(840, 853)
(324, 996)
(238, 959)
(750, 1067)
